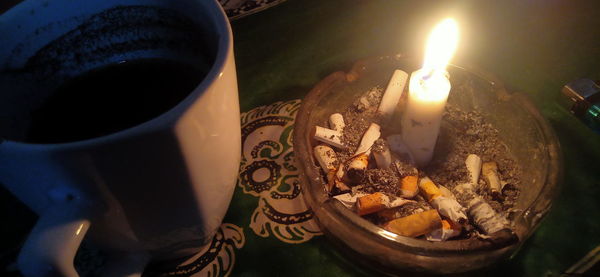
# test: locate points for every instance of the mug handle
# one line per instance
(52, 244)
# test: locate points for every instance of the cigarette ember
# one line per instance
(370, 170)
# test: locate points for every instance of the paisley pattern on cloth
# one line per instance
(268, 172)
(217, 259)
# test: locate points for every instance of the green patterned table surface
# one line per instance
(534, 46)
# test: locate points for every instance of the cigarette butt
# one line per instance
(449, 230)
(485, 217)
(331, 137)
(409, 187)
(398, 147)
(392, 94)
(450, 208)
(336, 122)
(382, 154)
(428, 189)
(415, 225)
(473, 163)
(369, 137)
(357, 167)
(490, 171)
(327, 159)
(371, 203)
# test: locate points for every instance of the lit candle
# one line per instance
(427, 93)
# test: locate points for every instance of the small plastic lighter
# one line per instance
(582, 98)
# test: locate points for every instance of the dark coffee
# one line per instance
(112, 98)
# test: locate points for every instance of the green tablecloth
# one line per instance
(534, 46)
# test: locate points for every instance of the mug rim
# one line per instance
(224, 50)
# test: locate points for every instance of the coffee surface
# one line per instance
(111, 99)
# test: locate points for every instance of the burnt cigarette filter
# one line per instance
(416, 224)
(484, 216)
(336, 122)
(490, 172)
(369, 137)
(357, 167)
(331, 137)
(381, 153)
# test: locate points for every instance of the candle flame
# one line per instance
(441, 44)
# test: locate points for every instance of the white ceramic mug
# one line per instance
(158, 190)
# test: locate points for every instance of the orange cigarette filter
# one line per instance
(428, 189)
(371, 203)
(409, 187)
(415, 225)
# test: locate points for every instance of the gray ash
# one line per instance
(359, 116)
(382, 180)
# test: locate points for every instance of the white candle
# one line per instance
(427, 93)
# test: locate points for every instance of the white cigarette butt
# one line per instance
(392, 94)
(326, 157)
(370, 136)
(331, 137)
(473, 163)
(490, 171)
(450, 208)
(485, 217)
(382, 154)
(336, 122)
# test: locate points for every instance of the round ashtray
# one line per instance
(521, 127)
